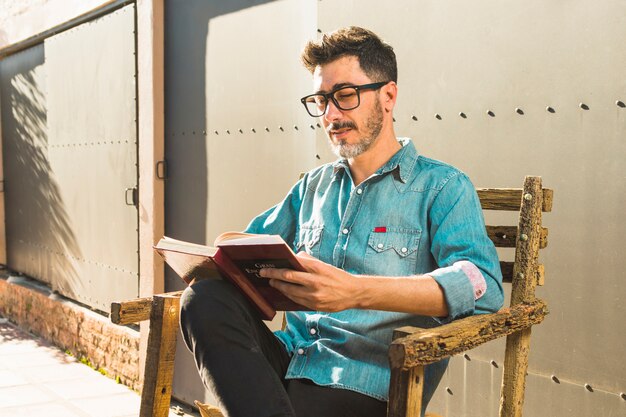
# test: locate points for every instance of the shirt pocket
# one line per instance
(392, 253)
(309, 239)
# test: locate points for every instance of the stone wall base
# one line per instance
(89, 336)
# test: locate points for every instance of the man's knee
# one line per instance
(205, 299)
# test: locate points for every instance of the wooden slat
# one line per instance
(134, 311)
(159, 369)
(523, 291)
(424, 346)
(504, 236)
(507, 273)
(405, 392)
(509, 198)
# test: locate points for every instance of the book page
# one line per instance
(250, 239)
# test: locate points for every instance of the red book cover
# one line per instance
(238, 258)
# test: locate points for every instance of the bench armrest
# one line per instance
(134, 311)
(414, 346)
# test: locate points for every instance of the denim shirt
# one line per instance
(413, 216)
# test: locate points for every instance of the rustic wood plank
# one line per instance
(507, 272)
(405, 392)
(136, 310)
(505, 236)
(424, 346)
(509, 199)
(515, 367)
(527, 249)
(523, 291)
(159, 368)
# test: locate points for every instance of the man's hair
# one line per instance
(376, 57)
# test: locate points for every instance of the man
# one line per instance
(388, 237)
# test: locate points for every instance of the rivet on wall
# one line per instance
(317, 156)
(240, 130)
(555, 379)
(620, 103)
(449, 391)
(295, 127)
(216, 132)
(588, 387)
(467, 357)
(519, 111)
(583, 106)
(394, 119)
(319, 125)
(438, 116)
(463, 115)
(490, 113)
(281, 128)
(623, 395)
(550, 109)
(267, 129)
(312, 127)
(253, 130)
(227, 132)
(414, 118)
(494, 364)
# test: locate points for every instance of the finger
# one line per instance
(295, 292)
(288, 275)
(303, 254)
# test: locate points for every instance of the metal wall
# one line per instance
(499, 89)
(70, 151)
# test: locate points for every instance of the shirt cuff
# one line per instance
(462, 284)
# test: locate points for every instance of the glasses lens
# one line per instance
(347, 98)
(315, 104)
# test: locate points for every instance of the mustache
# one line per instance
(340, 125)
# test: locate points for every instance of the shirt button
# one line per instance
(312, 331)
(300, 351)
(359, 191)
(380, 246)
(345, 231)
(404, 250)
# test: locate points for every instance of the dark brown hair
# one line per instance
(376, 58)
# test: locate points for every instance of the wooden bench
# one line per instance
(412, 348)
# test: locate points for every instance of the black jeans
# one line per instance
(244, 364)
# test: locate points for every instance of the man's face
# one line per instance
(351, 132)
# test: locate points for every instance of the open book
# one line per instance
(237, 257)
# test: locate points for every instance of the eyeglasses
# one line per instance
(344, 98)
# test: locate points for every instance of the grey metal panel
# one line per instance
(471, 389)
(70, 150)
(92, 154)
(473, 57)
(232, 66)
(28, 186)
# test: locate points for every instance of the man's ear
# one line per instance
(389, 96)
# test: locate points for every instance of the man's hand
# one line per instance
(322, 288)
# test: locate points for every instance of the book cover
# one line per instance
(237, 257)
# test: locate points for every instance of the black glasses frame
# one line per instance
(330, 96)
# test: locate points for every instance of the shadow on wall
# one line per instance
(40, 241)
(186, 125)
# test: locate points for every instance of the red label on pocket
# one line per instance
(380, 229)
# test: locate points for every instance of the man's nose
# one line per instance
(332, 112)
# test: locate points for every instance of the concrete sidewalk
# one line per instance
(38, 379)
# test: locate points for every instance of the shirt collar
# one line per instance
(403, 161)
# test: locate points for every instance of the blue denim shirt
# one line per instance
(413, 216)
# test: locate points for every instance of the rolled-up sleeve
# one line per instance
(469, 270)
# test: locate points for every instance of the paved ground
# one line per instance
(38, 379)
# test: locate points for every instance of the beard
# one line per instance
(373, 126)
